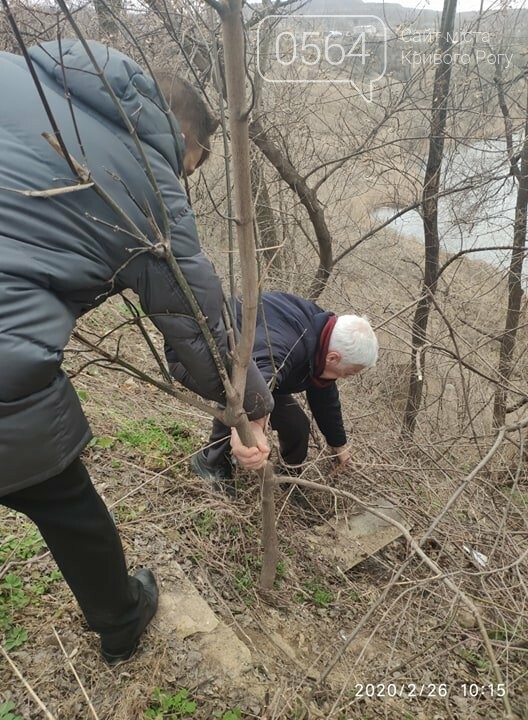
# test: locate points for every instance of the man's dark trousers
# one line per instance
(287, 418)
(83, 539)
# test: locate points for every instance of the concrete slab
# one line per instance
(224, 655)
(350, 540)
(184, 614)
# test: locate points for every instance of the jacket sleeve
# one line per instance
(164, 302)
(326, 409)
(273, 376)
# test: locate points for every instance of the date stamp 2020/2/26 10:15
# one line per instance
(411, 690)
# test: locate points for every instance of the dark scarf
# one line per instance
(322, 352)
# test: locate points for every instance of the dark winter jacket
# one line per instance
(62, 256)
(291, 326)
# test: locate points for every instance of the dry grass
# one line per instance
(419, 634)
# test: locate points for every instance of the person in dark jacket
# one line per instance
(64, 255)
(310, 349)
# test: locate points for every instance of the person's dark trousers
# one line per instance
(287, 418)
(84, 541)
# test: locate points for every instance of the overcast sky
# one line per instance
(462, 5)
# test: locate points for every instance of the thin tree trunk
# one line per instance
(515, 291)
(107, 12)
(265, 217)
(230, 12)
(430, 218)
(508, 129)
(308, 198)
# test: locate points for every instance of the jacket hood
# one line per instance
(70, 67)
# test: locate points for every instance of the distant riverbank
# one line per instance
(480, 216)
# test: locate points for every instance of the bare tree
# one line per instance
(108, 12)
(515, 290)
(230, 12)
(430, 216)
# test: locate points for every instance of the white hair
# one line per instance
(354, 339)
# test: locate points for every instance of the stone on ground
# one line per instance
(350, 540)
(185, 615)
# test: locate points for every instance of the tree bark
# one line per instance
(308, 198)
(430, 218)
(107, 12)
(235, 69)
(265, 217)
(515, 291)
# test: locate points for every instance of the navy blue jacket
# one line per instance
(292, 326)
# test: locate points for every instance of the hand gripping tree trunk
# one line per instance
(230, 12)
(515, 292)
(430, 217)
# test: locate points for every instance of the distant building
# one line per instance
(370, 30)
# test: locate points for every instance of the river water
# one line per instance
(479, 217)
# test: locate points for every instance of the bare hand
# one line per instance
(342, 454)
(253, 458)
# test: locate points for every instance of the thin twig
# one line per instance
(413, 206)
(135, 372)
(90, 705)
(161, 249)
(122, 114)
(139, 323)
(51, 192)
(38, 85)
(28, 687)
(22, 563)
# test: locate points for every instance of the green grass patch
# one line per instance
(128, 514)
(281, 570)
(316, 593)
(234, 714)
(156, 441)
(167, 706)
(505, 632)
(243, 580)
(482, 664)
(244, 577)
(13, 598)
(173, 706)
(14, 594)
(13, 548)
(7, 711)
(205, 522)
(103, 442)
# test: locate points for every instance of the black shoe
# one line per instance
(292, 471)
(220, 476)
(150, 592)
(296, 496)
